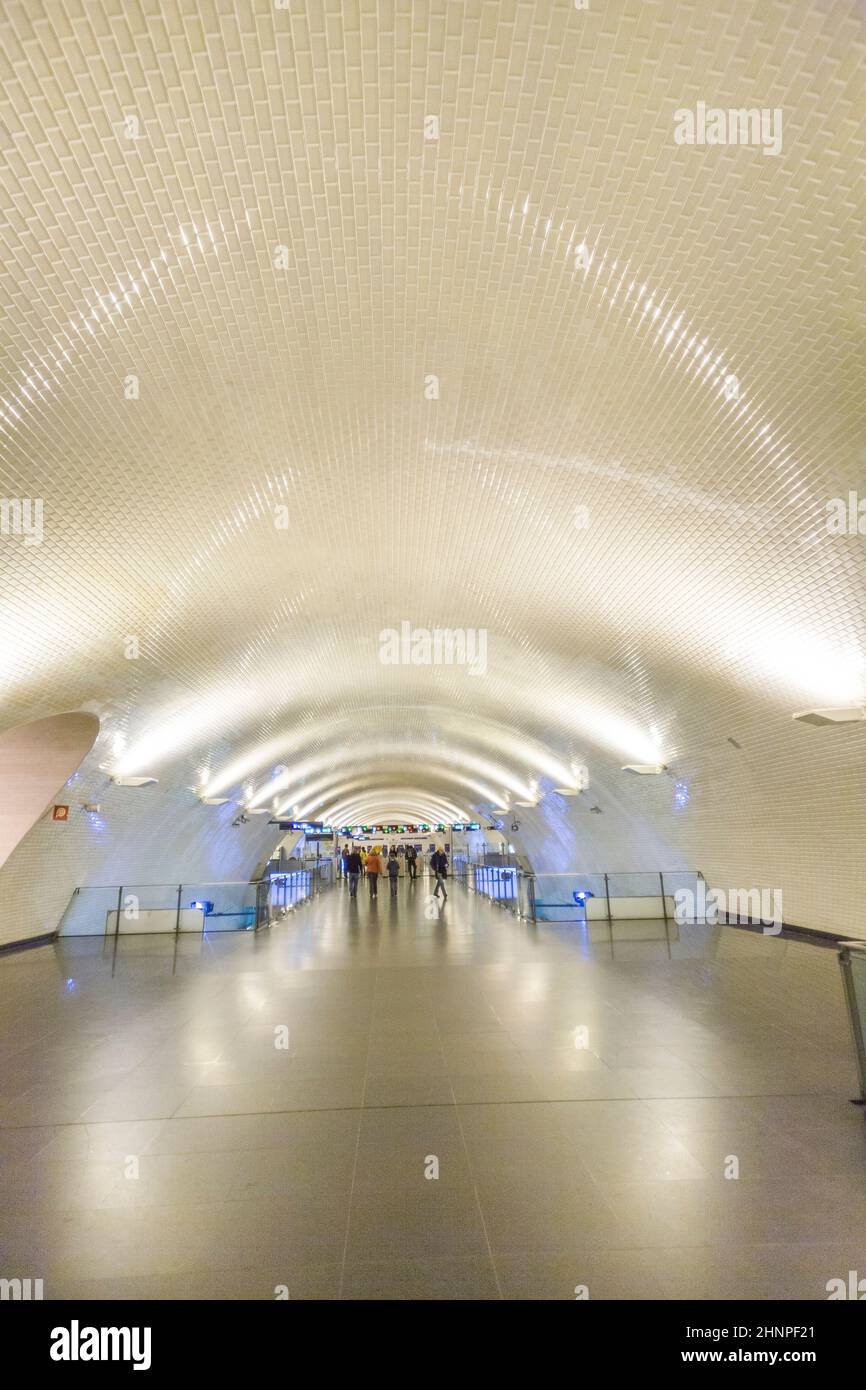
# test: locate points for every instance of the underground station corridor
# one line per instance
(432, 674)
(467, 1107)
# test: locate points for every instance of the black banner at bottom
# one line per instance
(229, 1338)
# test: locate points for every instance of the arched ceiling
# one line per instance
(287, 374)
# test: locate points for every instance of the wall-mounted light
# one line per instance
(134, 781)
(645, 769)
(845, 714)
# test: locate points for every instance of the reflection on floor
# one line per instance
(581, 1101)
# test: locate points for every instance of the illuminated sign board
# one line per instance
(350, 830)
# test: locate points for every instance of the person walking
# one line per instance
(373, 868)
(412, 861)
(439, 865)
(393, 871)
(353, 871)
(363, 862)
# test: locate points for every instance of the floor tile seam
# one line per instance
(336, 1109)
(361, 1110)
(490, 1255)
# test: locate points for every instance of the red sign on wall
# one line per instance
(60, 813)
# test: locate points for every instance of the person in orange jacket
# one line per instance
(374, 868)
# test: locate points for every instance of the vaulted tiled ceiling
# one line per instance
(286, 372)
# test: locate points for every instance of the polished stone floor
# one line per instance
(582, 1100)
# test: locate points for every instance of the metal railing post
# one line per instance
(177, 912)
(662, 886)
(607, 899)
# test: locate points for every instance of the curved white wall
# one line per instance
(157, 834)
(35, 761)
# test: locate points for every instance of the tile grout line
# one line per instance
(475, 1193)
(424, 1105)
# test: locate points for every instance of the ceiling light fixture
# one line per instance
(845, 714)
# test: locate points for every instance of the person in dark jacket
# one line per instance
(393, 871)
(412, 861)
(353, 869)
(439, 865)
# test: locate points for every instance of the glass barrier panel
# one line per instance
(89, 912)
(858, 979)
(150, 908)
(682, 895)
(635, 895)
(852, 959)
(222, 906)
(572, 897)
(290, 889)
